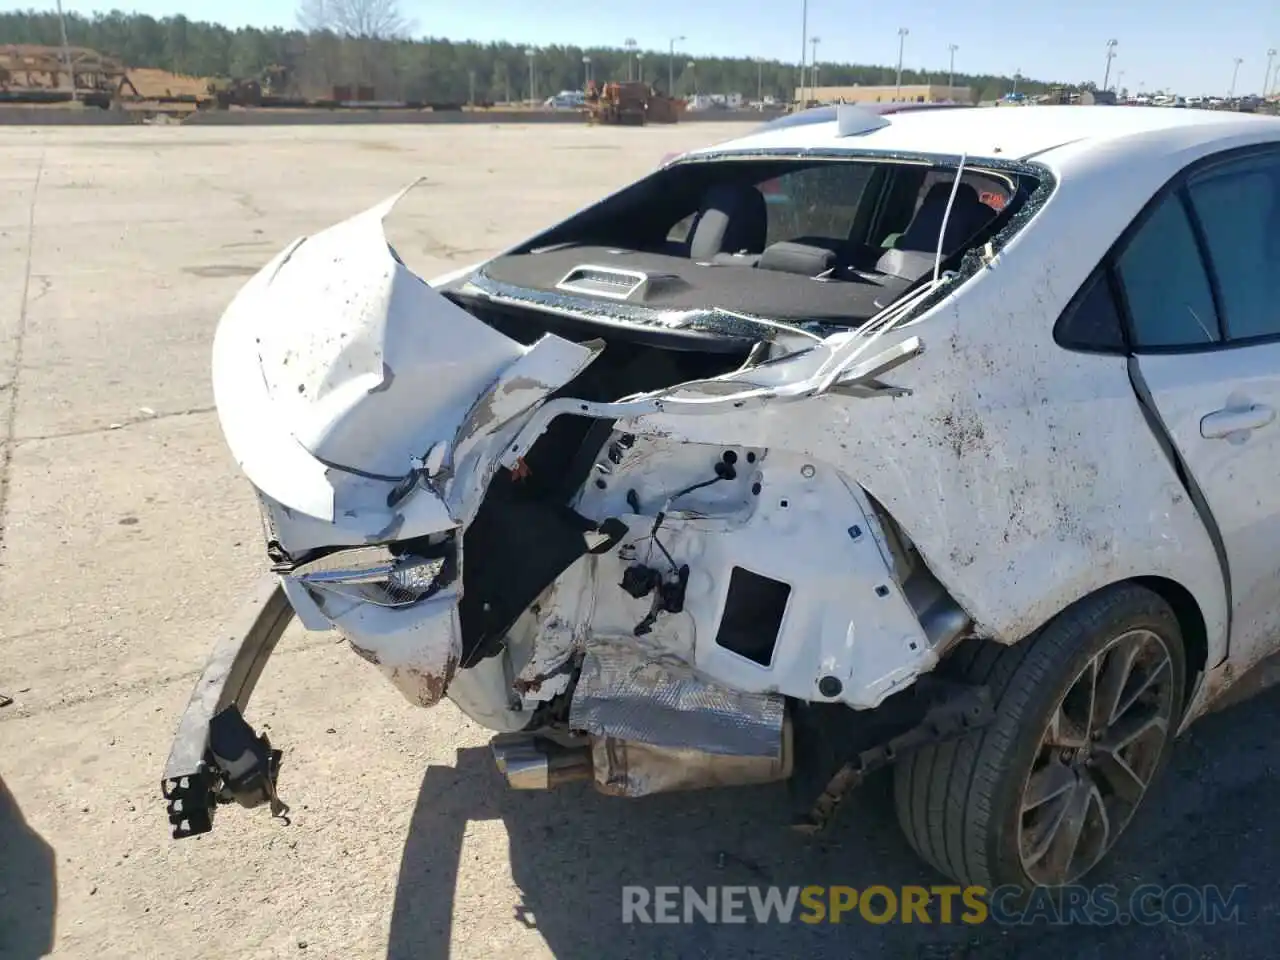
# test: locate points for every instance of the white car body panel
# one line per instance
(845, 618)
(1026, 475)
(1235, 471)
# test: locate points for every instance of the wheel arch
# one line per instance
(1195, 632)
(1186, 609)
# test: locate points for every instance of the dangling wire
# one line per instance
(942, 234)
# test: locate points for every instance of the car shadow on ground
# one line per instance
(1211, 821)
(28, 885)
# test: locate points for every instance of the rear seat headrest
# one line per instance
(968, 215)
(802, 258)
(733, 218)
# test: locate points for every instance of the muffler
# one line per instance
(628, 768)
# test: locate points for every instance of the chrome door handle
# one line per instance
(1225, 423)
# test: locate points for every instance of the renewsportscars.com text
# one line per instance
(1103, 905)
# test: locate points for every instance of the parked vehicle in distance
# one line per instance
(963, 442)
(566, 100)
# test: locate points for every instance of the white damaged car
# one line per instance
(943, 439)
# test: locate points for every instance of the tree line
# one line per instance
(378, 53)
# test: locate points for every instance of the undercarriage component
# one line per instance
(631, 769)
(643, 695)
(657, 726)
(530, 762)
(952, 710)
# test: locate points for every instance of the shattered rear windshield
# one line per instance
(754, 234)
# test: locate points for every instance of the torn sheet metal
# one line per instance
(847, 633)
(848, 359)
(367, 408)
(627, 693)
(336, 366)
(545, 642)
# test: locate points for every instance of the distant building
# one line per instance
(915, 93)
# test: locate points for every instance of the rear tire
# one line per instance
(1039, 796)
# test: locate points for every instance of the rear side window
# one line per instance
(820, 202)
(1092, 320)
(1238, 204)
(1165, 282)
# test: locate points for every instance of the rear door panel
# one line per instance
(1239, 474)
(1201, 278)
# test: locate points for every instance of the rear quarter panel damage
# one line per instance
(1025, 475)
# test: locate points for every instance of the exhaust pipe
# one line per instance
(535, 763)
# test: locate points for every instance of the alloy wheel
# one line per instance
(1098, 754)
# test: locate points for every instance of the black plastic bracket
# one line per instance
(954, 710)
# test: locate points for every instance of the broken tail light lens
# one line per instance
(377, 575)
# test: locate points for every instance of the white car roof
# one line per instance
(1015, 133)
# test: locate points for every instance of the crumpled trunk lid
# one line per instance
(337, 371)
(366, 408)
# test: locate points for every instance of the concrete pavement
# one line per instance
(128, 536)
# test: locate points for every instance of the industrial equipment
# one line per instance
(630, 104)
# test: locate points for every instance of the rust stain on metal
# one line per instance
(426, 688)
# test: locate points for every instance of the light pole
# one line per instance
(813, 69)
(1235, 74)
(671, 66)
(586, 72)
(951, 74)
(1111, 53)
(902, 42)
(1017, 75)
(531, 53)
(693, 73)
(760, 80)
(640, 66)
(66, 53)
(1266, 77)
(631, 50)
(804, 47)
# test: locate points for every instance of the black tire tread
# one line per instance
(946, 794)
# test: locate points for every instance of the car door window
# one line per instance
(1165, 283)
(1238, 204)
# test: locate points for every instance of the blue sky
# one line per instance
(1175, 44)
